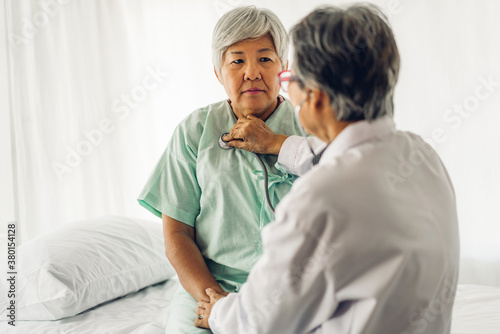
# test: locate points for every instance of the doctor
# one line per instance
(367, 240)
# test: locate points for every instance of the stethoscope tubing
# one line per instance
(223, 144)
(266, 182)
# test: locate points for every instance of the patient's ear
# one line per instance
(286, 69)
(215, 71)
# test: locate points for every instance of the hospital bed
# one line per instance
(110, 275)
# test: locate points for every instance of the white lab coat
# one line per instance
(365, 242)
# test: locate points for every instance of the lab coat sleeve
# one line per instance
(295, 157)
(288, 289)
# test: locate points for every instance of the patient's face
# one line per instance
(249, 74)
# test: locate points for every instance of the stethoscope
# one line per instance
(224, 145)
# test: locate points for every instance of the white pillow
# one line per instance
(83, 264)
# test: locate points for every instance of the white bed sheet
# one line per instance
(144, 311)
(476, 311)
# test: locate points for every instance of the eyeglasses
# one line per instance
(285, 78)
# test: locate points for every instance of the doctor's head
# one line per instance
(249, 49)
(347, 59)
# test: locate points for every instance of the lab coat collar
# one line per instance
(358, 133)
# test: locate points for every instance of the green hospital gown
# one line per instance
(219, 192)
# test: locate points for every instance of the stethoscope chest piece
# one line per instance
(223, 144)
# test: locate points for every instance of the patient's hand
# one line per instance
(252, 134)
(203, 310)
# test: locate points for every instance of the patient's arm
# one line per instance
(186, 258)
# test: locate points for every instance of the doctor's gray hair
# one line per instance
(351, 55)
(248, 22)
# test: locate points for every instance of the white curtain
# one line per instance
(82, 78)
(131, 70)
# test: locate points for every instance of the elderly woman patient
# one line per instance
(211, 200)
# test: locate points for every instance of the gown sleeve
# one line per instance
(172, 187)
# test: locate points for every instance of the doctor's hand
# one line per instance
(204, 308)
(252, 134)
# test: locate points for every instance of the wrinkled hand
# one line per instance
(252, 134)
(204, 308)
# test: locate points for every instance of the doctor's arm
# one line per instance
(295, 155)
(253, 135)
(287, 291)
(185, 256)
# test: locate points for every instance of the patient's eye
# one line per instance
(265, 59)
(237, 61)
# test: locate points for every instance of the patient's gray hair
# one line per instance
(248, 22)
(352, 56)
